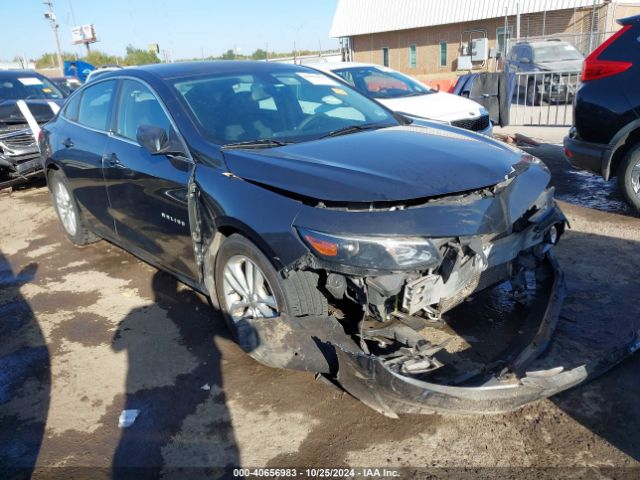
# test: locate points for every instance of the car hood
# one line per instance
(391, 164)
(438, 106)
(561, 66)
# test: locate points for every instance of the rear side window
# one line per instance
(72, 108)
(95, 105)
(138, 106)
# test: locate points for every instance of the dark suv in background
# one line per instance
(605, 137)
(553, 67)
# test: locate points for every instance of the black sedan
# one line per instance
(329, 231)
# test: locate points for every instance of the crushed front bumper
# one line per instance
(537, 371)
(19, 157)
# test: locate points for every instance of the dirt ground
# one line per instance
(87, 333)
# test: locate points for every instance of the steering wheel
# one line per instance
(304, 124)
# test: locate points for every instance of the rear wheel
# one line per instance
(67, 210)
(629, 177)
(248, 286)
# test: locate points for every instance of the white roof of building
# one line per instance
(358, 17)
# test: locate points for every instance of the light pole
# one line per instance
(296, 30)
(49, 15)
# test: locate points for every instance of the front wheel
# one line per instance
(248, 287)
(629, 177)
(67, 210)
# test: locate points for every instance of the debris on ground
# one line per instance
(127, 417)
(517, 139)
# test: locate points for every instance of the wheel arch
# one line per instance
(622, 142)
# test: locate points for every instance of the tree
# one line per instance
(259, 54)
(98, 58)
(137, 56)
(48, 60)
(229, 55)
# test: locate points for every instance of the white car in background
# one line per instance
(405, 95)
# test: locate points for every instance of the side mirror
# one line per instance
(525, 60)
(157, 141)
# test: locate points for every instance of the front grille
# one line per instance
(25, 157)
(18, 141)
(473, 124)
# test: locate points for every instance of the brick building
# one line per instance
(429, 37)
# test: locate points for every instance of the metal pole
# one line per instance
(518, 20)
(54, 28)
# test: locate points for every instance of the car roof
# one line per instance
(18, 73)
(330, 66)
(166, 71)
(544, 43)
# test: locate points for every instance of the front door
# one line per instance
(148, 193)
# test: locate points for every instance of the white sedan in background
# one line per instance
(405, 95)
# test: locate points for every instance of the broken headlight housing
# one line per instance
(379, 253)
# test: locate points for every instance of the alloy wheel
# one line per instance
(65, 209)
(247, 292)
(635, 178)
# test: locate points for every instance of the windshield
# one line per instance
(284, 106)
(375, 82)
(556, 53)
(28, 87)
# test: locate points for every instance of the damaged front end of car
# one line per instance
(19, 157)
(449, 314)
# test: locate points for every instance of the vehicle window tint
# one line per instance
(28, 87)
(291, 106)
(377, 82)
(72, 107)
(138, 106)
(513, 56)
(95, 105)
(346, 75)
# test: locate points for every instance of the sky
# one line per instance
(185, 28)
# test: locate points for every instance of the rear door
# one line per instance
(148, 193)
(83, 140)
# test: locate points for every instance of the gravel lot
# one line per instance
(86, 333)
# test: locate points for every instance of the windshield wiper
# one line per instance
(354, 128)
(260, 143)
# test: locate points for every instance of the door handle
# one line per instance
(67, 143)
(113, 161)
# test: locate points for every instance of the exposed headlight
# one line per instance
(380, 253)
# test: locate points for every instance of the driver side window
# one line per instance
(138, 106)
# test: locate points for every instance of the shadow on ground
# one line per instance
(25, 378)
(162, 410)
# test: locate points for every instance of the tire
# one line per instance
(297, 295)
(67, 210)
(629, 177)
(533, 97)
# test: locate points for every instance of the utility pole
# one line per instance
(49, 15)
